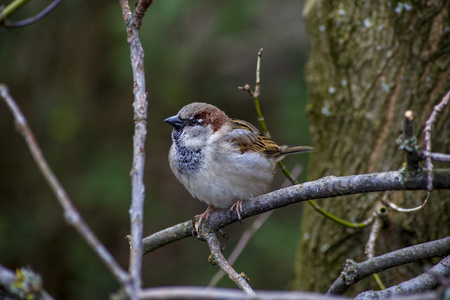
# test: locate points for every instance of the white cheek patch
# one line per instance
(197, 136)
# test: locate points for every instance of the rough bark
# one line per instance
(368, 63)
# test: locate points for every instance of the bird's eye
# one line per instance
(194, 121)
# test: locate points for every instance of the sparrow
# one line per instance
(222, 161)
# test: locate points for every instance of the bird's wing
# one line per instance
(248, 138)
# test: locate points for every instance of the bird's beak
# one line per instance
(175, 121)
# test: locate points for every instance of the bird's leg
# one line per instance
(238, 206)
(205, 215)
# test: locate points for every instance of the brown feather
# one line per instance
(248, 138)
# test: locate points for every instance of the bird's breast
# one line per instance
(189, 160)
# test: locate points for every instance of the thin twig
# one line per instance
(338, 220)
(436, 156)
(436, 110)
(34, 19)
(23, 284)
(370, 245)
(245, 238)
(243, 241)
(126, 13)
(401, 209)
(6, 277)
(140, 105)
(258, 75)
(71, 214)
(218, 258)
(139, 13)
(10, 9)
(255, 96)
(409, 143)
(374, 233)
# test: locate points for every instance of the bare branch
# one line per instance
(380, 215)
(201, 293)
(71, 214)
(425, 282)
(355, 272)
(248, 233)
(10, 9)
(258, 75)
(6, 276)
(409, 144)
(168, 236)
(436, 156)
(24, 284)
(217, 257)
(401, 209)
(255, 96)
(188, 292)
(427, 130)
(140, 105)
(126, 13)
(31, 20)
(374, 233)
(326, 187)
(139, 13)
(241, 245)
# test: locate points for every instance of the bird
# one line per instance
(222, 161)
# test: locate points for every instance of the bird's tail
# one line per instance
(286, 150)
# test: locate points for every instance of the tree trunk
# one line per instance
(368, 64)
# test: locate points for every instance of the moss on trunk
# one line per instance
(368, 64)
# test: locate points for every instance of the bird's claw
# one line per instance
(238, 206)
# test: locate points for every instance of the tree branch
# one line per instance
(326, 187)
(139, 13)
(427, 131)
(71, 214)
(140, 105)
(436, 156)
(425, 282)
(409, 144)
(241, 245)
(255, 96)
(354, 272)
(10, 9)
(24, 284)
(28, 21)
(380, 219)
(249, 232)
(189, 292)
(201, 293)
(217, 257)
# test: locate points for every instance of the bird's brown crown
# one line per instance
(209, 114)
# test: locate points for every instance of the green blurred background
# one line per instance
(71, 75)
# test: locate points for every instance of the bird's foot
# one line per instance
(238, 206)
(201, 217)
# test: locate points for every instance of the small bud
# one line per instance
(409, 115)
